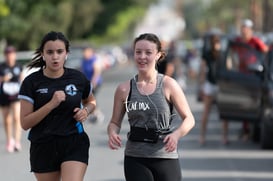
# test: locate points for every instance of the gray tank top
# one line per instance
(149, 111)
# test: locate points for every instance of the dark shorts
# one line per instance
(48, 157)
(6, 100)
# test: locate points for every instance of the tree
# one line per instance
(117, 20)
(267, 16)
(23, 23)
(84, 14)
(29, 20)
(4, 10)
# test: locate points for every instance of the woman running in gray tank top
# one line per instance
(151, 149)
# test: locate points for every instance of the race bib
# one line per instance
(11, 88)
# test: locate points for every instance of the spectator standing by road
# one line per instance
(247, 36)
(167, 65)
(55, 101)
(148, 98)
(208, 79)
(10, 79)
(92, 69)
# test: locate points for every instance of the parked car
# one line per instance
(248, 96)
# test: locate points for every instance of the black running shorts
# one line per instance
(48, 157)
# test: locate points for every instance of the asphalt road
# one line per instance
(239, 161)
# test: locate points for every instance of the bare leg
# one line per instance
(17, 126)
(8, 127)
(73, 171)
(204, 120)
(52, 176)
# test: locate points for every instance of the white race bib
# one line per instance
(11, 88)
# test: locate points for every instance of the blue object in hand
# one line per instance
(79, 127)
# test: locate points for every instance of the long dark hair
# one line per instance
(152, 38)
(215, 39)
(37, 60)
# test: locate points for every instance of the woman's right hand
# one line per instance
(114, 141)
(57, 98)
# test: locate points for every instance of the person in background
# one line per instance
(247, 36)
(171, 65)
(92, 69)
(208, 80)
(151, 151)
(167, 65)
(10, 79)
(55, 101)
(194, 61)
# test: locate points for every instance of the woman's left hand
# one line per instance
(171, 141)
(81, 114)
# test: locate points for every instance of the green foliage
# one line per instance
(192, 14)
(4, 9)
(85, 12)
(214, 13)
(121, 27)
(29, 21)
(117, 20)
(23, 23)
(225, 10)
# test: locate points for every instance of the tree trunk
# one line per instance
(267, 16)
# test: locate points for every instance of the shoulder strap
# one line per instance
(129, 95)
(160, 78)
(130, 91)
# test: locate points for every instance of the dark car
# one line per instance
(248, 96)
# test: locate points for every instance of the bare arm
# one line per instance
(89, 106)
(203, 70)
(114, 126)
(175, 94)
(21, 78)
(97, 73)
(180, 102)
(5, 78)
(30, 118)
